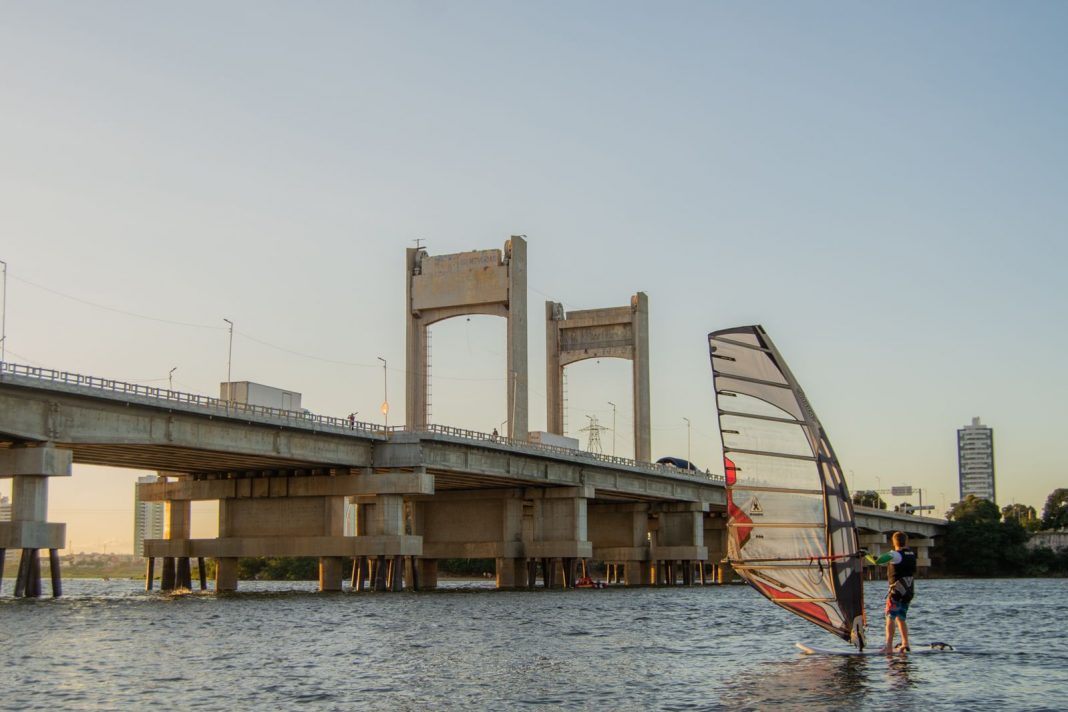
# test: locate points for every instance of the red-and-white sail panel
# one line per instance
(790, 534)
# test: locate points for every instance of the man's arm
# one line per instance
(890, 557)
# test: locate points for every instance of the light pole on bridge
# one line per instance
(613, 427)
(688, 460)
(229, 359)
(385, 391)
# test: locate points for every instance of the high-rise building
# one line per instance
(975, 460)
(148, 518)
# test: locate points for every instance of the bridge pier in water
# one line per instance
(290, 515)
(677, 541)
(29, 469)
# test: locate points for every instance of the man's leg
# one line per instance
(904, 628)
(888, 646)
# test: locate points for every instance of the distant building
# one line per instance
(5, 509)
(1049, 539)
(148, 518)
(975, 461)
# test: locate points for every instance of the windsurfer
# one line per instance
(901, 568)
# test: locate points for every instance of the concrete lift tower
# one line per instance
(440, 287)
(617, 332)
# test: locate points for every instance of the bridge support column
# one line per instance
(330, 573)
(922, 547)
(876, 544)
(678, 537)
(484, 524)
(620, 534)
(558, 529)
(716, 540)
(427, 573)
(29, 530)
(226, 574)
(177, 527)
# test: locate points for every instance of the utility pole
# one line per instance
(385, 391)
(613, 427)
(688, 441)
(3, 320)
(229, 359)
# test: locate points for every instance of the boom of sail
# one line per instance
(791, 528)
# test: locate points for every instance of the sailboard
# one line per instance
(791, 529)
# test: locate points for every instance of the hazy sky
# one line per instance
(882, 186)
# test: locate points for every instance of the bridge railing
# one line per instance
(223, 407)
(514, 443)
(216, 405)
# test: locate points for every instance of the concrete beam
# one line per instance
(364, 483)
(236, 547)
(32, 535)
(157, 435)
(35, 461)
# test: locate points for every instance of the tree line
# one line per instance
(982, 540)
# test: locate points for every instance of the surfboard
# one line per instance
(815, 650)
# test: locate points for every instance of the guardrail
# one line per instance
(513, 443)
(218, 406)
(166, 395)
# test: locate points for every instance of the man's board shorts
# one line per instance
(898, 599)
(897, 609)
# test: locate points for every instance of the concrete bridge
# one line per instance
(281, 480)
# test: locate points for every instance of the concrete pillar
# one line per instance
(428, 573)
(643, 447)
(678, 536)
(480, 282)
(715, 524)
(636, 573)
(28, 529)
(619, 533)
(558, 523)
(387, 515)
(511, 573)
(331, 571)
(225, 574)
(618, 332)
(922, 547)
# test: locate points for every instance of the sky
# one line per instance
(882, 186)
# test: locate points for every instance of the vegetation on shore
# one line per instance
(982, 540)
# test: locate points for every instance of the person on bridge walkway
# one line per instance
(901, 570)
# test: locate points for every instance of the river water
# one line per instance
(108, 645)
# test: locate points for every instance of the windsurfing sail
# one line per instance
(791, 528)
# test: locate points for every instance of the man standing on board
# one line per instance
(901, 568)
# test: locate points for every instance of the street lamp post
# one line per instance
(229, 360)
(385, 392)
(170, 379)
(3, 319)
(688, 441)
(613, 427)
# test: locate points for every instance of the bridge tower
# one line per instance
(618, 332)
(440, 287)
